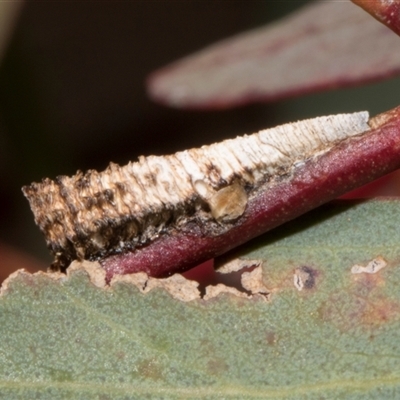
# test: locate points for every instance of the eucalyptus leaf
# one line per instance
(324, 45)
(324, 330)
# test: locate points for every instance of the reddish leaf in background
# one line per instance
(385, 11)
(324, 45)
(12, 259)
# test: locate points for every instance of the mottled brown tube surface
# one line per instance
(192, 195)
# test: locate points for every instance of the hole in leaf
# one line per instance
(206, 275)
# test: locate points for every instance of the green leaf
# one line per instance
(337, 337)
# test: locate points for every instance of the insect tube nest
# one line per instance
(198, 193)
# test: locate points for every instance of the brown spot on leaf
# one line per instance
(271, 338)
(380, 311)
(363, 303)
(216, 366)
(149, 369)
(304, 278)
(365, 283)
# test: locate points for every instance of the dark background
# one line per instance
(72, 92)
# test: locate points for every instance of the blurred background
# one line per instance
(72, 95)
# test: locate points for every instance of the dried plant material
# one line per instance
(327, 44)
(372, 267)
(202, 192)
(138, 279)
(253, 281)
(385, 11)
(95, 271)
(179, 287)
(218, 290)
(236, 264)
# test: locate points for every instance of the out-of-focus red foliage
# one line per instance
(12, 259)
(324, 45)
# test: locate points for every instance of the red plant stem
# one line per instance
(350, 164)
(385, 11)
